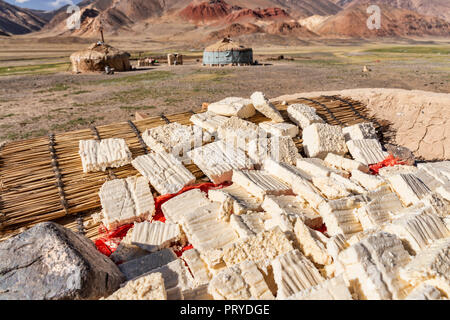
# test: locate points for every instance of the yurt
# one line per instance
(227, 51)
(97, 57)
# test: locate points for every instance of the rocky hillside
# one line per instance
(15, 20)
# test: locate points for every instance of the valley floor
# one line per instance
(39, 95)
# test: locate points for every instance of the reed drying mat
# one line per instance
(42, 179)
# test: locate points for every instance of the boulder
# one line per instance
(50, 262)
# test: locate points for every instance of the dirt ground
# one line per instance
(39, 97)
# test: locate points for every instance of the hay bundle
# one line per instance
(97, 57)
(226, 44)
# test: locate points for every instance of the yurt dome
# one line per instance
(227, 51)
(97, 57)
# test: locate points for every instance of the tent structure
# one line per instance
(98, 56)
(227, 52)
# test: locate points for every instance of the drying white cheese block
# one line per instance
(437, 169)
(259, 183)
(316, 167)
(372, 267)
(197, 266)
(397, 169)
(280, 149)
(312, 243)
(444, 191)
(425, 292)
(319, 139)
(360, 131)
(282, 129)
(176, 277)
(263, 105)
(107, 153)
(240, 282)
(217, 160)
(366, 151)
(155, 236)
(331, 289)
(368, 181)
(430, 181)
(293, 272)
(431, 265)
(339, 216)
(284, 211)
(379, 211)
(149, 287)
(176, 207)
(262, 246)
(418, 231)
(165, 172)
(409, 188)
(125, 201)
(248, 224)
(233, 106)
(437, 204)
(241, 200)
(303, 115)
(238, 132)
(173, 138)
(336, 244)
(330, 187)
(208, 121)
(340, 162)
(204, 230)
(197, 293)
(286, 172)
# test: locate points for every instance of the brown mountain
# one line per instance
(435, 8)
(15, 20)
(395, 22)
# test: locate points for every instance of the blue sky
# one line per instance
(42, 4)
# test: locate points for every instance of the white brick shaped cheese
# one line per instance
(149, 287)
(204, 230)
(337, 161)
(197, 266)
(188, 201)
(107, 153)
(368, 181)
(125, 201)
(438, 205)
(331, 289)
(409, 188)
(173, 138)
(233, 106)
(366, 151)
(176, 277)
(330, 187)
(316, 167)
(281, 129)
(430, 181)
(208, 121)
(303, 115)
(431, 265)
(312, 243)
(239, 132)
(240, 282)
(444, 192)
(217, 160)
(425, 291)
(241, 200)
(284, 211)
(262, 246)
(137, 267)
(197, 293)
(360, 131)
(155, 236)
(280, 149)
(165, 172)
(418, 231)
(286, 172)
(259, 183)
(263, 105)
(372, 267)
(437, 169)
(336, 244)
(339, 216)
(319, 139)
(248, 224)
(379, 211)
(397, 169)
(293, 272)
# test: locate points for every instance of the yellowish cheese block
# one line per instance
(312, 243)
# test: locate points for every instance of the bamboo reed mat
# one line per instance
(42, 179)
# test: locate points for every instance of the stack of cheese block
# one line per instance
(387, 236)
